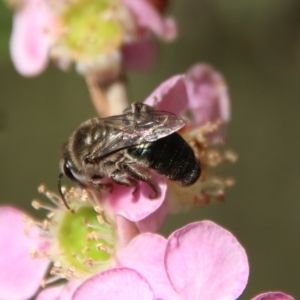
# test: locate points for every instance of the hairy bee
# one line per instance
(125, 147)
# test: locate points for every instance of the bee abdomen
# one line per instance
(170, 156)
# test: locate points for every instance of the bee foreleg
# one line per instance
(96, 182)
(136, 173)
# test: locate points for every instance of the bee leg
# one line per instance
(143, 176)
(137, 107)
(96, 182)
(122, 178)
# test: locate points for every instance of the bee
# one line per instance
(125, 147)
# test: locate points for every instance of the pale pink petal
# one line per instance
(170, 96)
(60, 292)
(205, 261)
(145, 254)
(115, 284)
(154, 221)
(50, 293)
(141, 55)
(273, 296)
(149, 18)
(126, 230)
(20, 275)
(28, 43)
(208, 95)
(135, 205)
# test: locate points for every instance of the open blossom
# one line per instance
(99, 37)
(200, 96)
(75, 245)
(199, 261)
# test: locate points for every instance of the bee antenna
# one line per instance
(61, 192)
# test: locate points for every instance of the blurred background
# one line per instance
(256, 45)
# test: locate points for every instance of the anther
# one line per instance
(38, 205)
(98, 209)
(88, 262)
(51, 215)
(93, 236)
(33, 253)
(100, 219)
(49, 281)
(101, 247)
(229, 182)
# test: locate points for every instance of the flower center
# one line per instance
(92, 27)
(82, 243)
(85, 242)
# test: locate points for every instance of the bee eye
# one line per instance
(68, 172)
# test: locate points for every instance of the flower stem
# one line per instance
(97, 96)
(110, 98)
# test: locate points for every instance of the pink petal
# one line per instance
(170, 96)
(115, 284)
(126, 231)
(208, 96)
(28, 44)
(145, 254)
(273, 296)
(135, 205)
(205, 261)
(59, 292)
(20, 275)
(148, 17)
(140, 56)
(154, 221)
(50, 293)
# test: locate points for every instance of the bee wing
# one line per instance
(135, 128)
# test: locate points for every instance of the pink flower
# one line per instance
(273, 296)
(61, 29)
(199, 261)
(201, 96)
(202, 92)
(21, 274)
(75, 245)
(29, 45)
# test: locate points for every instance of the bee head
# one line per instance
(66, 165)
(68, 171)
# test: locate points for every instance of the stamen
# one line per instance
(98, 209)
(58, 230)
(33, 253)
(229, 182)
(101, 247)
(100, 219)
(93, 236)
(49, 281)
(71, 272)
(87, 225)
(51, 196)
(51, 215)
(88, 262)
(38, 205)
(230, 156)
(85, 250)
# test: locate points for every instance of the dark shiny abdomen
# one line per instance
(170, 156)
